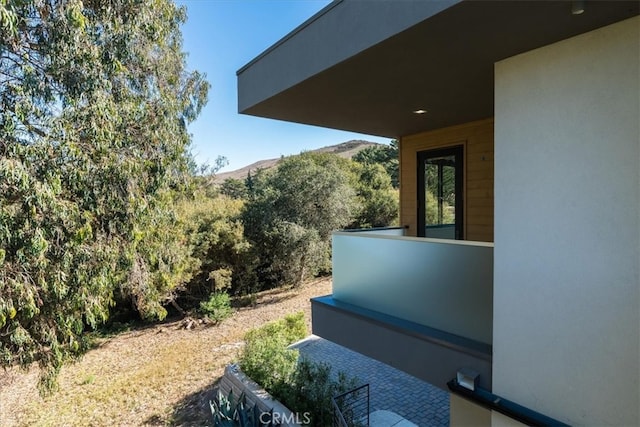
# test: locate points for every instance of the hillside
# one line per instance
(155, 375)
(346, 149)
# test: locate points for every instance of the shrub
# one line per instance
(218, 248)
(266, 358)
(311, 389)
(269, 362)
(217, 307)
(302, 386)
(291, 329)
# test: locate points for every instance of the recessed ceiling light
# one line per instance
(420, 111)
(577, 7)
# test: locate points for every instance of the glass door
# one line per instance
(440, 175)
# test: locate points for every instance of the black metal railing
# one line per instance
(351, 409)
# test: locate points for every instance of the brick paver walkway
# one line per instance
(389, 389)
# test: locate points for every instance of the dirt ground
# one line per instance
(161, 374)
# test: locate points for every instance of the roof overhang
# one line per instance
(367, 66)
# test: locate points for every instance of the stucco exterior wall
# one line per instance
(567, 228)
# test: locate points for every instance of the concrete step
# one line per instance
(382, 418)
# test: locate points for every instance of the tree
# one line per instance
(292, 211)
(219, 249)
(234, 188)
(95, 100)
(385, 155)
(314, 191)
(378, 199)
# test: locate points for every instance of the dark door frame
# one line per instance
(458, 152)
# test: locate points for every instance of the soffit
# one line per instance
(443, 64)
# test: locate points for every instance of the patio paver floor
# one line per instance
(390, 389)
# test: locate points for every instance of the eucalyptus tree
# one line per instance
(94, 99)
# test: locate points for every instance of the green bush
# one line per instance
(266, 358)
(291, 328)
(311, 389)
(218, 247)
(302, 386)
(269, 362)
(217, 307)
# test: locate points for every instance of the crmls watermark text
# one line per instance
(303, 419)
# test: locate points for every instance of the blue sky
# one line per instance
(220, 37)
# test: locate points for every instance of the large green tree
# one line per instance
(379, 201)
(291, 212)
(94, 102)
(385, 155)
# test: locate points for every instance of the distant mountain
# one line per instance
(346, 149)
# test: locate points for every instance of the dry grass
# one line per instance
(158, 375)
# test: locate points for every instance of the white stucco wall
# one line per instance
(567, 228)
